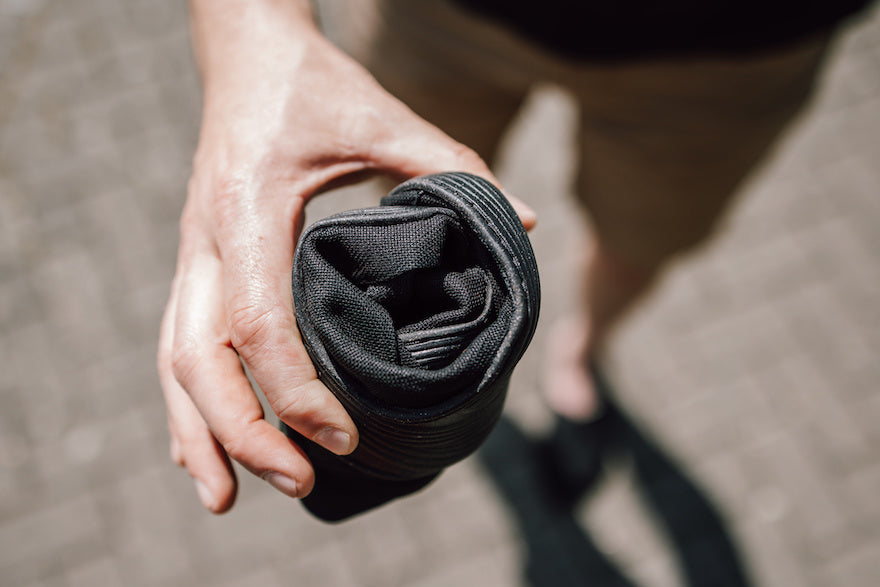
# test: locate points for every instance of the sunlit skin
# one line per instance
(286, 115)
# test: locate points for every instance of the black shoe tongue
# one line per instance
(405, 308)
(439, 313)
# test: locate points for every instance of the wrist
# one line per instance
(288, 10)
(228, 35)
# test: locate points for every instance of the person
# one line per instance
(678, 100)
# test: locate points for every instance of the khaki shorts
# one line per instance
(663, 143)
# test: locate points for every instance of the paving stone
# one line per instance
(773, 562)
(754, 364)
(861, 489)
(496, 568)
(626, 533)
(323, 566)
(33, 545)
(859, 568)
(262, 577)
(458, 520)
(817, 525)
(103, 571)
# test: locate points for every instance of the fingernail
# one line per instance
(205, 495)
(282, 483)
(334, 440)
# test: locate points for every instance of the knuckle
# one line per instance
(189, 221)
(191, 230)
(193, 435)
(212, 201)
(235, 435)
(190, 444)
(467, 158)
(187, 451)
(304, 406)
(163, 357)
(185, 358)
(249, 327)
(252, 327)
(228, 186)
(227, 196)
(295, 408)
(235, 447)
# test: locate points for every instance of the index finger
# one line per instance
(257, 254)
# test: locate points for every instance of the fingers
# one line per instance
(192, 444)
(208, 368)
(257, 253)
(234, 308)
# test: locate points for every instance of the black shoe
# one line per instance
(572, 455)
(414, 314)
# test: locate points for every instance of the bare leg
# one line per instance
(664, 147)
(611, 288)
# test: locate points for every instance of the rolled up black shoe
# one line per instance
(414, 314)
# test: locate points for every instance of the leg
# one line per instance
(663, 149)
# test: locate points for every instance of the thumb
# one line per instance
(426, 149)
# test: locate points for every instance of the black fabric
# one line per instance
(639, 29)
(414, 314)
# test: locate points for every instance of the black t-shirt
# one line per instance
(626, 29)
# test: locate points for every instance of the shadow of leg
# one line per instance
(560, 552)
(704, 547)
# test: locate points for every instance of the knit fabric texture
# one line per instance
(414, 314)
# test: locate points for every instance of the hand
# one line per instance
(286, 116)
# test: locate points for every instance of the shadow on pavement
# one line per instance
(560, 550)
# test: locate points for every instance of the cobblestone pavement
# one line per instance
(756, 364)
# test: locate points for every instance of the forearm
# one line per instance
(230, 36)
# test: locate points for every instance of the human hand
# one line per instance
(286, 116)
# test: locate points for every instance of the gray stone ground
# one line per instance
(756, 364)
